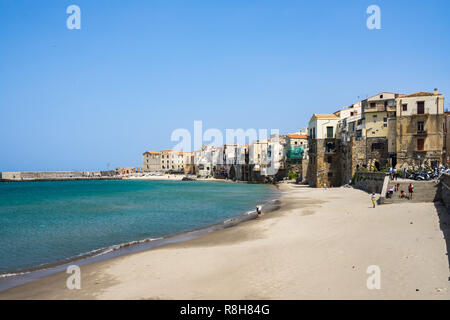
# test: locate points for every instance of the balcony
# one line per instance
(421, 133)
(423, 112)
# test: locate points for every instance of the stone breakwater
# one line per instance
(57, 175)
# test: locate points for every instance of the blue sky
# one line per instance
(98, 97)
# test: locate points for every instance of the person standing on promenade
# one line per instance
(411, 190)
(373, 199)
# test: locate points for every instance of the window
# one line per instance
(420, 144)
(329, 132)
(372, 105)
(385, 119)
(377, 146)
(330, 159)
(374, 116)
(381, 96)
(330, 147)
(420, 107)
(420, 126)
(405, 107)
(385, 125)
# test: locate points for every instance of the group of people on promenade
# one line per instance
(392, 173)
(395, 189)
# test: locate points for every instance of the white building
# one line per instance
(323, 126)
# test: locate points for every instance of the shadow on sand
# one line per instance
(444, 224)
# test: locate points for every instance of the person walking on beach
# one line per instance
(373, 199)
(258, 211)
(411, 190)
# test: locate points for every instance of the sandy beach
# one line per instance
(318, 245)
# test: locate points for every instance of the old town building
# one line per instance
(152, 161)
(420, 129)
(324, 167)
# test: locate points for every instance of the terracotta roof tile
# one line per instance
(418, 94)
(325, 116)
(297, 136)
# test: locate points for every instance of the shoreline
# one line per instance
(317, 245)
(19, 277)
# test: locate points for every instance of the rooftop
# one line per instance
(419, 94)
(325, 116)
(297, 136)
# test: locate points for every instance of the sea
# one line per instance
(44, 222)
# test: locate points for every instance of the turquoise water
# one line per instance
(44, 222)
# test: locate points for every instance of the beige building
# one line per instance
(188, 162)
(377, 110)
(420, 129)
(172, 160)
(151, 161)
(324, 166)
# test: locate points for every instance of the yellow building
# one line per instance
(420, 129)
(377, 110)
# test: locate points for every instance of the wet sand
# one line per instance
(318, 245)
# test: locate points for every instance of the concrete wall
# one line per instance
(371, 181)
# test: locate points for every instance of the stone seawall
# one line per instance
(371, 182)
(54, 175)
(444, 190)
